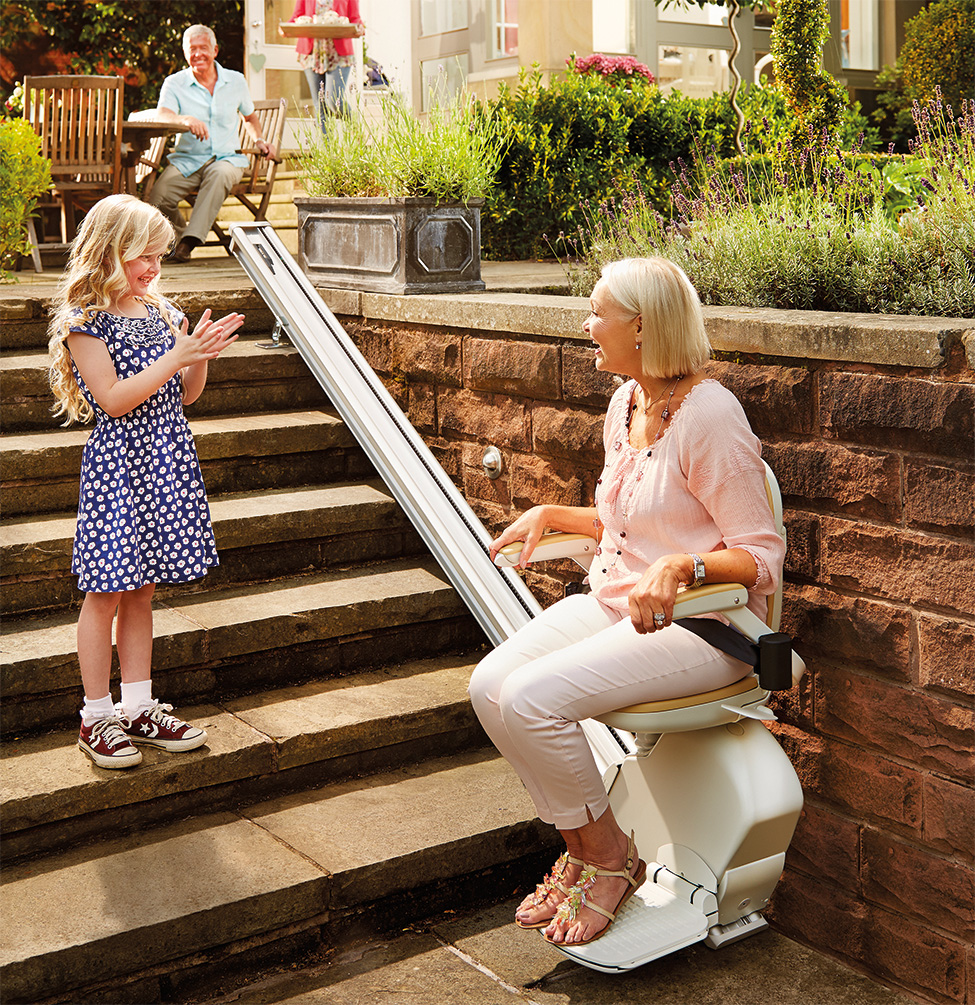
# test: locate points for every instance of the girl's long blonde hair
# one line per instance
(117, 229)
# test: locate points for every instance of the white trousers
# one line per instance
(578, 659)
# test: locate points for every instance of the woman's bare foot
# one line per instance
(538, 908)
(576, 922)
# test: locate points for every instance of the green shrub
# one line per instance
(24, 176)
(938, 52)
(830, 230)
(580, 140)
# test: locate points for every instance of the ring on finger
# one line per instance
(659, 619)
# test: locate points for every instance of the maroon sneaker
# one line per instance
(105, 742)
(154, 728)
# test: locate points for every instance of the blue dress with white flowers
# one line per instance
(143, 515)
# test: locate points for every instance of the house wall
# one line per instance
(868, 423)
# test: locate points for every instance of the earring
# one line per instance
(639, 345)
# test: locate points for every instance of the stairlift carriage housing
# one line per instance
(713, 804)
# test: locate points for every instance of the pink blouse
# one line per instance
(699, 488)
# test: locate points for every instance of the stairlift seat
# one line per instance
(696, 711)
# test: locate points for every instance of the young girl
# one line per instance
(123, 354)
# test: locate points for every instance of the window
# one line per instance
(439, 16)
(612, 26)
(859, 36)
(505, 28)
(693, 71)
(442, 78)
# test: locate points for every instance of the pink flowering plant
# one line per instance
(613, 69)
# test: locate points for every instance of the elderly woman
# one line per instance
(681, 501)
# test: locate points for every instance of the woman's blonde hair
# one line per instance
(672, 323)
(117, 229)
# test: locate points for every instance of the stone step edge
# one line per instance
(200, 628)
(47, 779)
(234, 876)
(48, 552)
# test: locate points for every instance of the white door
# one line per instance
(271, 63)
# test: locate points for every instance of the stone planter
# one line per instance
(399, 245)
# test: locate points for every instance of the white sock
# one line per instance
(135, 697)
(97, 708)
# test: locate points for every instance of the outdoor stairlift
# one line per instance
(715, 801)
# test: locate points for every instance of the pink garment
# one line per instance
(306, 8)
(702, 490)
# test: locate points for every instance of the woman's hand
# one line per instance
(528, 528)
(656, 592)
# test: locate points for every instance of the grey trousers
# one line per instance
(214, 180)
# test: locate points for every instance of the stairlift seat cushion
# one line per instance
(742, 686)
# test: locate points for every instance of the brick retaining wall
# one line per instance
(868, 423)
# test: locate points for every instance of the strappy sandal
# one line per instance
(577, 898)
(552, 883)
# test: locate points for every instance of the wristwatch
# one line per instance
(699, 572)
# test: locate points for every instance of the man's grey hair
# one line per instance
(198, 29)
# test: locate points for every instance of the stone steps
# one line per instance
(235, 639)
(345, 776)
(260, 744)
(218, 889)
(260, 536)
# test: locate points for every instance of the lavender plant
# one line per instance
(813, 229)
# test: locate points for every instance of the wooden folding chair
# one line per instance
(79, 122)
(258, 180)
(151, 160)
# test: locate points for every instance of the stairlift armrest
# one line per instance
(712, 598)
(579, 547)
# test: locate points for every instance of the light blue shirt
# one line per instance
(182, 94)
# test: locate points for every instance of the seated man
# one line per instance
(206, 97)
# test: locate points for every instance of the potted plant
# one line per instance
(393, 204)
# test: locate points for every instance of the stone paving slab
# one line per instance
(483, 959)
(368, 710)
(421, 824)
(147, 899)
(40, 655)
(47, 778)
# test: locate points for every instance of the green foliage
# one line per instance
(452, 156)
(138, 39)
(800, 31)
(829, 230)
(581, 140)
(938, 52)
(24, 176)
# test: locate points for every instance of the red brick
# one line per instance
(512, 367)
(422, 408)
(582, 382)
(939, 498)
(776, 399)
(832, 477)
(826, 843)
(913, 568)
(375, 343)
(803, 535)
(946, 651)
(870, 634)
(428, 356)
(535, 480)
(898, 412)
(487, 418)
(568, 433)
(820, 913)
(918, 883)
(949, 817)
(924, 961)
(861, 783)
(929, 732)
